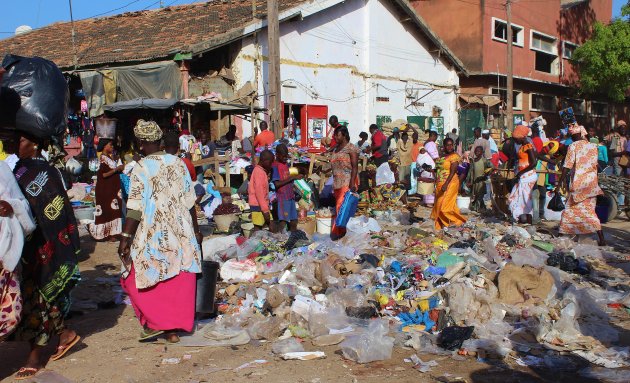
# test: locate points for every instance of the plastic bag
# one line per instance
(303, 189)
(556, 203)
(348, 209)
(41, 91)
(384, 175)
(287, 345)
(363, 225)
(451, 338)
(529, 256)
(372, 345)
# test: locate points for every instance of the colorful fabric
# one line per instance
(258, 189)
(523, 156)
(520, 199)
(580, 218)
(377, 142)
(107, 212)
(161, 196)
(340, 162)
(577, 129)
(169, 305)
(445, 211)
(49, 258)
(581, 159)
(280, 172)
(147, 131)
(520, 131)
(10, 303)
(264, 139)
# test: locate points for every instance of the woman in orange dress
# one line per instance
(579, 215)
(445, 211)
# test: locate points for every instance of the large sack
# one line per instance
(41, 93)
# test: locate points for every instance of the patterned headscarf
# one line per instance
(577, 129)
(520, 131)
(147, 131)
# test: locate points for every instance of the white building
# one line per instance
(361, 60)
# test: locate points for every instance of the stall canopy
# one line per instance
(141, 103)
(160, 80)
(222, 106)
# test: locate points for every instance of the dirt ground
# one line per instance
(110, 352)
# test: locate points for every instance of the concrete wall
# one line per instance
(347, 55)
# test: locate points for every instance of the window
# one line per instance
(542, 103)
(579, 106)
(544, 43)
(546, 63)
(499, 32)
(568, 49)
(517, 96)
(546, 52)
(599, 109)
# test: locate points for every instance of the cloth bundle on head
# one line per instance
(520, 131)
(102, 142)
(621, 123)
(147, 131)
(577, 129)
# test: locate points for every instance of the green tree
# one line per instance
(603, 61)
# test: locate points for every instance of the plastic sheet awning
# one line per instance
(141, 103)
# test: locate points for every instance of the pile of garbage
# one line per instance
(484, 290)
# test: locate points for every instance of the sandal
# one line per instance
(148, 334)
(63, 349)
(26, 373)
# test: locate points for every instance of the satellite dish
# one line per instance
(22, 29)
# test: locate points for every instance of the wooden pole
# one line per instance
(273, 26)
(510, 79)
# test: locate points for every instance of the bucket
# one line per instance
(247, 229)
(324, 225)
(224, 221)
(206, 287)
(606, 207)
(463, 203)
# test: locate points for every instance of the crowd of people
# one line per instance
(148, 206)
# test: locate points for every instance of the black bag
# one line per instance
(42, 92)
(556, 203)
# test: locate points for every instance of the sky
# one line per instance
(38, 13)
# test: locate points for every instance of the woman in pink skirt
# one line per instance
(159, 246)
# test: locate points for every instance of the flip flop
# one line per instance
(148, 334)
(30, 370)
(62, 350)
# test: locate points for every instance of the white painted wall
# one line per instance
(347, 55)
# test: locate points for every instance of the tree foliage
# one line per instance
(604, 61)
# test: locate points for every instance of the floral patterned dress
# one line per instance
(579, 215)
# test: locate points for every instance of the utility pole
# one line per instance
(273, 35)
(510, 84)
(75, 60)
